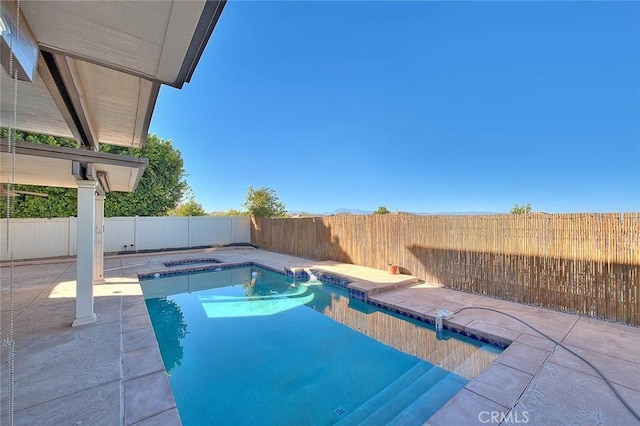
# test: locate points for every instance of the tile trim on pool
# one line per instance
(322, 276)
(358, 295)
(428, 319)
(213, 267)
(191, 261)
(303, 274)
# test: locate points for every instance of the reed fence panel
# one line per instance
(582, 263)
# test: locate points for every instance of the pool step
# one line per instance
(393, 399)
(428, 403)
(362, 412)
(392, 408)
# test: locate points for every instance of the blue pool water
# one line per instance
(250, 346)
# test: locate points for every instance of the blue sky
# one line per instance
(418, 106)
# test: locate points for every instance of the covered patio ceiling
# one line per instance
(92, 70)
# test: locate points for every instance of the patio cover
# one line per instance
(91, 71)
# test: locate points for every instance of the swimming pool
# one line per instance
(248, 345)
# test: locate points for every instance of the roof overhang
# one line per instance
(92, 70)
(45, 165)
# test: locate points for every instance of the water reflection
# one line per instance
(278, 293)
(263, 282)
(457, 356)
(168, 317)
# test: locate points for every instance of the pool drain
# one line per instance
(340, 411)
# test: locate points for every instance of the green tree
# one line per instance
(40, 138)
(382, 210)
(523, 209)
(234, 212)
(160, 189)
(264, 202)
(60, 202)
(188, 208)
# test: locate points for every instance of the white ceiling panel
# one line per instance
(36, 110)
(180, 31)
(97, 37)
(150, 38)
(145, 20)
(31, 171)
(116, 102)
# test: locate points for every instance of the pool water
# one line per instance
(251, 346)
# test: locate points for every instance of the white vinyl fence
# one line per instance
(39, 238)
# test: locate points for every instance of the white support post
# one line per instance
(86, 250)
(98, 259)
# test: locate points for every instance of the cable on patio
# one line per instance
(593, 367)
(9, 341)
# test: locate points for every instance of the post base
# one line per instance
(84, 320)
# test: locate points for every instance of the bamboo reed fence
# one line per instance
(582, 263)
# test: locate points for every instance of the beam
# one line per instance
(94, 61)
(81, 171)
(103, 178)
(24, 47)
(74, 90)
(67, 95)
(78, 170)
(56, 89)
(73, 154)
(208, 20)
(142, 123)
(91, 172)
(46, 165)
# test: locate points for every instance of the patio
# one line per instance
(111, 372)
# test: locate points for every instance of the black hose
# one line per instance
(615, 391)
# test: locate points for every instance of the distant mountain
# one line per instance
(361, 212)
(457, 213)
(350, 211)
(358, 211)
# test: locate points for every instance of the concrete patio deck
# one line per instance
(111, 372)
